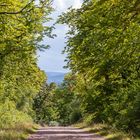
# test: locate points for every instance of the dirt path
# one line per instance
(64, 133)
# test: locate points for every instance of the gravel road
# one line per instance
(64, 133)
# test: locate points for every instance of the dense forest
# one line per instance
(103, 54)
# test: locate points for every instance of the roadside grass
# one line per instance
(106, 131)
(18, 132)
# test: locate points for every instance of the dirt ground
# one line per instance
(64, 133)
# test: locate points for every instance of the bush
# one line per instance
(10, 116)
(75, 116)
(89, 119)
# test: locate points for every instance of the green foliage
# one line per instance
(22, 29)
(10, 116)
(103, 52)
(44, 105)
(58, 104)
(75, 115)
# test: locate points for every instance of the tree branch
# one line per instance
(18, 12)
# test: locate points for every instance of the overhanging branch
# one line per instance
(18, 12)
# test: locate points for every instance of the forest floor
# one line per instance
(64, 133)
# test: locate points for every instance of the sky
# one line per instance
(52, 59)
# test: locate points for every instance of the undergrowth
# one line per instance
(108, 132)
(18, 132)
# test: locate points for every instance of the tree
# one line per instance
(22, 30)
(103, 51)
(44, 104)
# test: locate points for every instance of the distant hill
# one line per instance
(56, 77)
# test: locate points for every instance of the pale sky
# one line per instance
(52, 60)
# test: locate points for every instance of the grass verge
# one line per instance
(106, 131)
(18, 132)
